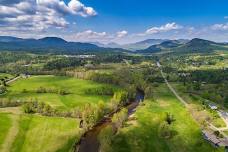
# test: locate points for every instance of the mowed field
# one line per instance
(3, 75)
(31, 133)
(21, 132)
(75, 87)
(143, 133)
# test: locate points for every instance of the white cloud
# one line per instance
(225, 17)
(220, 26)
(39, 15)
(90, 36)
(164, 28)
(76, 7)
(121, 34)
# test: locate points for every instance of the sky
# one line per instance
(120, 21)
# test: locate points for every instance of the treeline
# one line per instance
(105, 90)
(10, 103)
(209, 76)
(2, 90)
(90, 114)
(118, 58)
(52, 90)
(64, 63)
(44, 109)
(47, 90)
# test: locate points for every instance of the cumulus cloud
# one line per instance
(39, 15)
(220, 26)
(76, 7)
(164, 28)
(121, 34)
(90, 36)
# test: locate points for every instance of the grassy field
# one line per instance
(76, 87)
(5, 124)
(197, 102)
(3, 75)
(36, 133)
(25, 133)
(143, 134)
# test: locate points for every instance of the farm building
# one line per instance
(214, 140)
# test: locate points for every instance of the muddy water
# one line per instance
(89, 142)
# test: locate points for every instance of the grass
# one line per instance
(196, 100)
(5, 124)
(47, 134)
(76, 88)
(3, 75)
(143, 135)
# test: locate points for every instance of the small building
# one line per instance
(211, 137)
(89, 66)
(214, 140)
(212, 106)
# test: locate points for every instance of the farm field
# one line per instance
(143, 134)
(25, 89)
(3, 75)
(26, 133)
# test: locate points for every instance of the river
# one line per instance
(89, 141)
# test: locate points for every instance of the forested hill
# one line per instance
(194, 46)
(50, 45)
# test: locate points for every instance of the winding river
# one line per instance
(89, 141)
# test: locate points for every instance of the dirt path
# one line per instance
(173, 91)
(12, 110)
(6, 146)
(14, 79)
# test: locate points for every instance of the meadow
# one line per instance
(25, 89)
(143, 133)
(26, 133)
(3, 75)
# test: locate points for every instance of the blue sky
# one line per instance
(121, 21)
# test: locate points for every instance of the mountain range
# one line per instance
(49, 45)
(136, 46)
(195, 45)
(58, 45)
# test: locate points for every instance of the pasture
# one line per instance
(26, 89)
(143, 134)
(26, 133)
(5, 75)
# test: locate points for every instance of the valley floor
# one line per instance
(143, 134)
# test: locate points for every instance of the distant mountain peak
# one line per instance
(53, 40)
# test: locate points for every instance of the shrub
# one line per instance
(29, 108)
(9, 103)
(165, 130)
(2, 89)
(101, 91)
(90, 116)
(105, 138)
(119, 118)
(169, 118)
